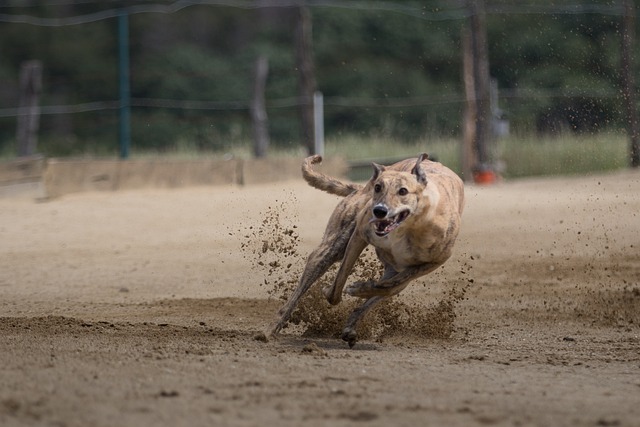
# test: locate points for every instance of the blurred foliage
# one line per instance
(384, 74)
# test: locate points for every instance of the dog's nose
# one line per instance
(380, 211)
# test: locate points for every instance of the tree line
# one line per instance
(394, 71)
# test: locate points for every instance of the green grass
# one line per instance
(364, 150)
(564, 155)
(358, 149)
(517, 156)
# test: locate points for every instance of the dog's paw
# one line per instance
(350, 336)
(263, 336)
(360, 289)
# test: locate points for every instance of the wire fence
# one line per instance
(452, 10)
(438, 103)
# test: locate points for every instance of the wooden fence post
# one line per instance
(469, 131)
(477, 120)
(124, 85)
(306, 75)
(480, 57)
(258, 110)
(628, 83)
(29, 115)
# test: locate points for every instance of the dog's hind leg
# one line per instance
(390, 284)
(349, 333)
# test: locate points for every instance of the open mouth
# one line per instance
(384, 226)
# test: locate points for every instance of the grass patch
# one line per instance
(358, 148)
(385, 151)
(563, 155)
(517, 156)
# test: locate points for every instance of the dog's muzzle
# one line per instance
(384, 224)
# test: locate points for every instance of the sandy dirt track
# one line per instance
(140, 308)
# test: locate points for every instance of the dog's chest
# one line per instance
(403, 249)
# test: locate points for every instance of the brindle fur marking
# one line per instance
(409, 211)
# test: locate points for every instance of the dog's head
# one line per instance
(396, 195)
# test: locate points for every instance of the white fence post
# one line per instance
(318, 122)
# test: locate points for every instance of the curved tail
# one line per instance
(324, 182)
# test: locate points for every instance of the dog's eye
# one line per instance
(377, 188)
(403, 191)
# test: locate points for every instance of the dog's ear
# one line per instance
(417, 170)
(377, 170)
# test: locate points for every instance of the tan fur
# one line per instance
(324, 182)
(409, 211)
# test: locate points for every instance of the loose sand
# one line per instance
(139, 308)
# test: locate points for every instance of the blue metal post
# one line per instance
(124, 131)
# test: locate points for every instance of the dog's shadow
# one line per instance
(320, 345)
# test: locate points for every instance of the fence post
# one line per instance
(469, 130)
(481, 80)
(124, 130)
(628, 83)
(306, 74)
(29, 115)
(258, 110)
(318, 122)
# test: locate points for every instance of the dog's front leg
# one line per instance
(390, 285)
(355, 247)
(324, 256)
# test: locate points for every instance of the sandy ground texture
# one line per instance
(140, 308)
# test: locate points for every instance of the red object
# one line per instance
(484, 177)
